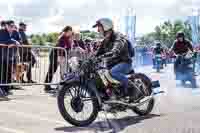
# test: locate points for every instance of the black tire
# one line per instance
(66, 115)
(183, 82)
(158, 69)
(148, 91)
(193, 83)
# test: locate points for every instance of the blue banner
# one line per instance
(194, 22)
(130, 22)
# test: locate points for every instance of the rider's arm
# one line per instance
(117, 48)
(173, 48)
(190, 46)
(100, 51)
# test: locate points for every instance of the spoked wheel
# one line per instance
(77, 104)
(144, 84)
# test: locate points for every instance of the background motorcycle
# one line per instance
(158, 62)
(184, 68)
(85, 90)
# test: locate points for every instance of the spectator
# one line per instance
(64, 41)
(3, 24)
(7, 59)
(77, 51)
(78, 41)
(15, 35)
(26, 53)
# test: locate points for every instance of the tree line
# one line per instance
(166, 33)
(51, 38)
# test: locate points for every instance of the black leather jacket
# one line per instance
(158, 50)
(182, 47)
(115, 50)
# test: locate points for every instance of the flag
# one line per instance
(194, 22)
(130, 22)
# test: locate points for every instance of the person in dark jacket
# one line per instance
(22, 30)
(64, 41)
(114, 50)
(15, 35)
(181, 46)
(157, 50)
(25, 53)
(6, 56)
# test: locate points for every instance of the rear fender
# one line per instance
(153, 84)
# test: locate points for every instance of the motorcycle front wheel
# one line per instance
(77, 104)
(144, 83)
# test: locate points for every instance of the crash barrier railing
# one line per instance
(143, 56)
(197, 64)
(20, 65)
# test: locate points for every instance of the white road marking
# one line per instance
(32, 116)
(10, 130)
(32, 103)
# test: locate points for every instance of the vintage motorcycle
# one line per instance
(82, 95)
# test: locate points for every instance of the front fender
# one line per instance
(91, 85)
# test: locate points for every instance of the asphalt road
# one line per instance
(177, 111)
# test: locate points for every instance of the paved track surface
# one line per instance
(177, 111)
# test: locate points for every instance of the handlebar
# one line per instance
(184, 54)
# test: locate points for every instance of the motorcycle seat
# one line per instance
(131, 72)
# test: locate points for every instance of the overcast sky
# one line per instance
(51, 15)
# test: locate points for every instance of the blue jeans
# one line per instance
(119, 71)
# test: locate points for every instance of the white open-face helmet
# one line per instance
(106, 23)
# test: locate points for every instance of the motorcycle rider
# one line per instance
(157, 50)
(181, 46)
(114, 50)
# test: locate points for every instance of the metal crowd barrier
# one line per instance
(143, 56)
(16, 62)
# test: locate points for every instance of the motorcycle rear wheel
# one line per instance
(147, 90)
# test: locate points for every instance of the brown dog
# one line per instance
(20, 70)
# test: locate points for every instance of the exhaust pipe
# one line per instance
(130, 105)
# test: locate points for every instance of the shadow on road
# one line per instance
(102, 126)
(4, 99)
(128, 121)
(154, 72)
